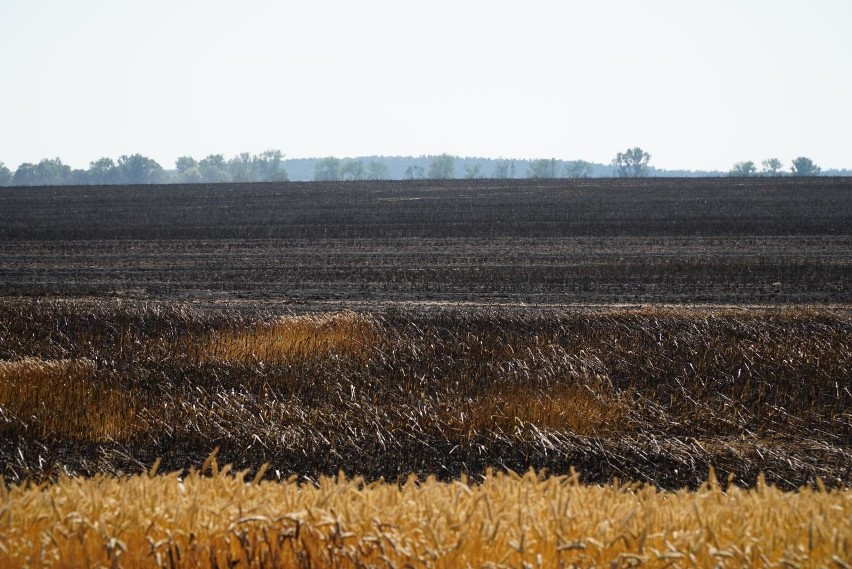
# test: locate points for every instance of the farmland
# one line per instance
(728, 241)
(644, 331)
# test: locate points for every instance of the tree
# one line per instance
(214, 169)
(185, 163)
(352, 170)
(78, 177)
(442, 167)
(543, 168)
(504, 169)
(327, 170)
(771, 167)
(268, 168)
(805, 167)
(48, 172)
(633, 163)
(187, 170)
(473, 172)
(25, 175)
(579, 169)
(53, 172)
(138, 169)
(103, 171)
(743, 169)
(5, 175)
(241, 167)
(377, 170)
(415, 172)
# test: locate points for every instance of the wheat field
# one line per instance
(223, 519)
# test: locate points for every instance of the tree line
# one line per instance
(271, 166)
(801, 166)
(139, 169)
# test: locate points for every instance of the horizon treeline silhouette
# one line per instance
(272, 166)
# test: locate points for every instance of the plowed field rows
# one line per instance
(719, 241)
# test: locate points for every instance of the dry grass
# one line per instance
(571, 406)
(286, 338)
(505, 521)
(64, 398)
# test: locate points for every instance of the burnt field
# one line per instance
(713, 241)
(644, 330)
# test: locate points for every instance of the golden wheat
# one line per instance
(505, 521)
(291, 336)
(65, 397)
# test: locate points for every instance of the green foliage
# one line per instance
(803, 166)
(632, 163)
(214, 169)
(377, 170)
(187, 170)
(327, 170)
(138, 169)
(240, 167)
(579, 169)
(442, 167)
(263, 167)
(543, 168)
(48, 172)
(353, 170)
(415, 172)
(771, 167)
(504, 169)
(743, 169)
(270, 166)
(103, 171)
(473, 171)
(5, 175)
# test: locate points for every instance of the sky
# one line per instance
(698, 85)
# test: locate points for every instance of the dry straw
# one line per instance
(223, 520)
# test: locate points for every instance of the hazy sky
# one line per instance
(699, 85)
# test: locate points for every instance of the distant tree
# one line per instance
(270, 166)
(415, 172)
(247, 167)
(138, 169)
(352, 170)
(187, 170)
(214, 169)
(377, 170)
(743, 169)
(542, 168)
(78, 177)
(504, 169)
(805, 167)
(48, 172)
(771, 167)
(633, 163)
(327, 169)
(53, 172)
(25, 175)
(185, 163)
(5, 175)
(442, 167)
(473, 171)
(103, 171)
(579, 169)
(241, 168)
